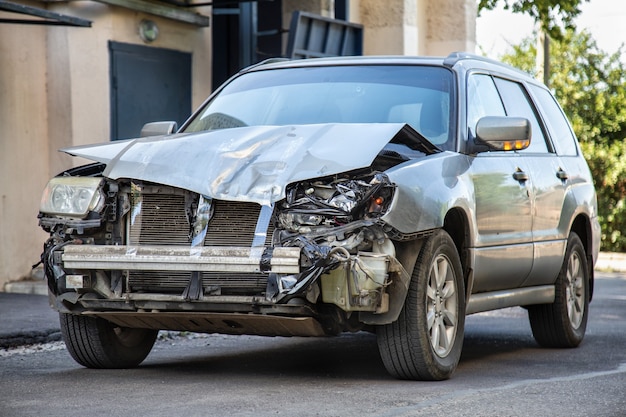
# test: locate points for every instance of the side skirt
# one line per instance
(510, 298)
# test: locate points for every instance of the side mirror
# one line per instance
(158, 129)
(502, 134)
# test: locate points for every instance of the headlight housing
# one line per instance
(72, 196)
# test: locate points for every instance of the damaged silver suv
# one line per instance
(393, 195)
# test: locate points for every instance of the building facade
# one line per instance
(86, 71)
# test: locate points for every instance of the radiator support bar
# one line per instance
(283, 260)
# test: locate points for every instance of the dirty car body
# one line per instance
(315, 197)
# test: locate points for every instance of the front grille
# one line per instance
(162, 220)
(233, 224)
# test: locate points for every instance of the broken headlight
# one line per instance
(72, 196)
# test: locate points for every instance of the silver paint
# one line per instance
(243, 164)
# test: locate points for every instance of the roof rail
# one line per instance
(455, 57)
(273, 59)
(265, 61)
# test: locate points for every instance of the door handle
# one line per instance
(562, 175)
(520, 175)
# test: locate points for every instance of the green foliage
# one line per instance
(550, 14)
(591, 87)
(608, 164)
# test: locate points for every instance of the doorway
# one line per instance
(147, 85)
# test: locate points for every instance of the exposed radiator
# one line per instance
(162, 220)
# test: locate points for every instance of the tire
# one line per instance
(563, 323)
(414, 346)
(96, 343)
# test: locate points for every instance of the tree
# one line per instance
(591, 87)
(549, 14)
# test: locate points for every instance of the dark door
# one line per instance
(147, 85)
(247, 32)
(244, 34)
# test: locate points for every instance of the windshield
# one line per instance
(417, 95)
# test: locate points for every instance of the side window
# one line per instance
(517, 104)
(482, 100)
(559, 127)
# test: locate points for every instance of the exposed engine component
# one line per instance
(331, 221)
(311, 205)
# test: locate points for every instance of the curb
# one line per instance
(611, 262)
(27, 287)
(29, 338)
(35, 284)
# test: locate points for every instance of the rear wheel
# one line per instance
(563, 323)
(96, 343)
(425, 342)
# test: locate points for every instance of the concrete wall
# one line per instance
(450, 26)
(416, 27)
(23, 146)
(54, 93)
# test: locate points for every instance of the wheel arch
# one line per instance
(457, 225)
(582, 227)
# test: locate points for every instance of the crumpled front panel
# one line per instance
(245, 164)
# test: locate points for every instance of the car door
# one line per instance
(547, 181)
(569, 170)
(503, 208)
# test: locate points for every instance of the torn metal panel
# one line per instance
(102, 152)
(244, 164)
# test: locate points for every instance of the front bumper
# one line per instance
(281, 260)
(150, 286)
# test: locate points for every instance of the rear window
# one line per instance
(558, 126)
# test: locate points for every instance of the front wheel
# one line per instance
(563, 323)
(425, 342)
(97, 343)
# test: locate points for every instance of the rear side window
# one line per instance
(516, 103)
(558, 126)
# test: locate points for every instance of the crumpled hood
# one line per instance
(245, 164)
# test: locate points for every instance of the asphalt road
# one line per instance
(502, 373)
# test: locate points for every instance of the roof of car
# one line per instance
(346, 60)
(455, 59)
